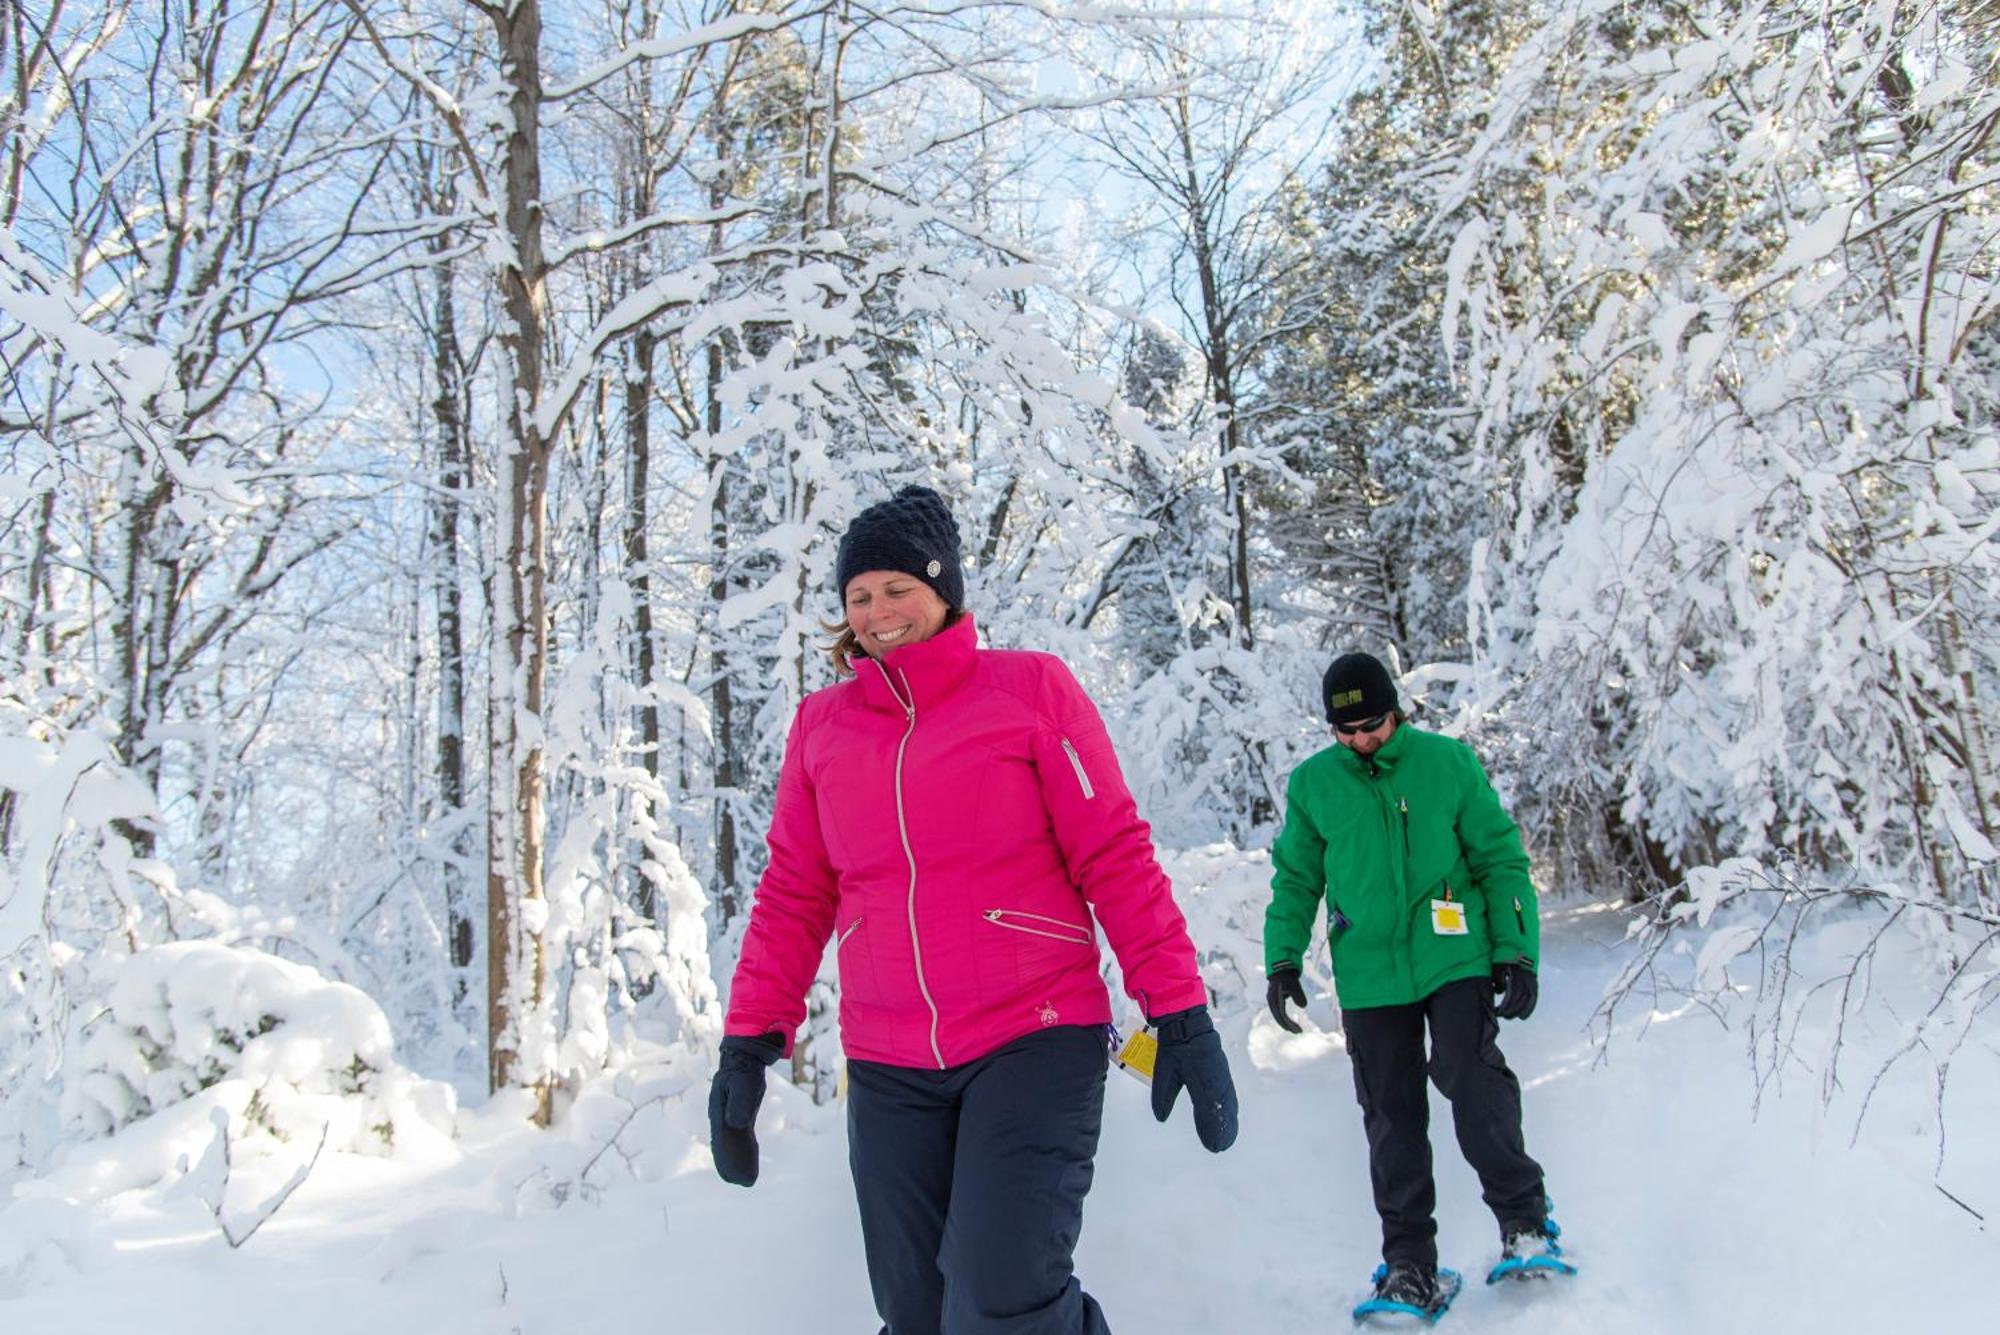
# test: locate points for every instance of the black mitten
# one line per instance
(1190, 1055)
(733, 1097)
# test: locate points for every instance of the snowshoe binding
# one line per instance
(1410, 1292)
(1531, 1252)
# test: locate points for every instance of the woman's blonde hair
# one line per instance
(846, 646)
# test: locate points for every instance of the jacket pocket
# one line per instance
(1076, 763)
(1040, 924)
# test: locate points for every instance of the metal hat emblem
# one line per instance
(933, 568)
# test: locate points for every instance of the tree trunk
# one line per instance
(639, 202)
(516, 908)
(721, 701)
(638, 451)
(454, 460)
(138, 638)
(1221, 377)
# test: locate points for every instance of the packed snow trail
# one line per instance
(1684, 1213)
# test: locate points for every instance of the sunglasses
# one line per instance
(1365, 725)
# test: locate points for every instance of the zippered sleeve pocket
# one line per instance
(1076, 763)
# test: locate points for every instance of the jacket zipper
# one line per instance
(1076, 763)
(1398, 947)
(1071, 933)
(1520, 919)
(903, 828)
(841, 940)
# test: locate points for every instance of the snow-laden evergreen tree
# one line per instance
(1388, 494)
(1742, 341)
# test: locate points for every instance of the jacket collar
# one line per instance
(923, 673)
(1385, 757)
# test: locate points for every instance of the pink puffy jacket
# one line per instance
(958, 816)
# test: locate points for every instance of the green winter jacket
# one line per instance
(1379, 839)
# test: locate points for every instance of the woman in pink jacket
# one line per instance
(954, 818)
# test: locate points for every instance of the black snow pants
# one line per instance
(1386, 1045)
(971, 1183)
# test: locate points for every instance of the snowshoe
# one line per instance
(1531, 1253)
(1408, 1291)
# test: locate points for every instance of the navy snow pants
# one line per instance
(971, 1183)
(1386, 1046)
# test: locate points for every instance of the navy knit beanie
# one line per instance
(1357, 687)
(913, 532)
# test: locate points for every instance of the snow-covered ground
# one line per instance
(1685, 1213)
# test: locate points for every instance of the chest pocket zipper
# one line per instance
(1076, 763)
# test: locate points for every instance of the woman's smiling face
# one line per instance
(887, 608)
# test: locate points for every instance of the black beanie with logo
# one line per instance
(912, 532)
(1357, 687)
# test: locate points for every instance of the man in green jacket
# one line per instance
(1430, 915)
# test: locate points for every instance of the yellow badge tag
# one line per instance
(1136, 1057)
(1448, 918)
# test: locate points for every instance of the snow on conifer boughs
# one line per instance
(1731, 337)
(285, 1051)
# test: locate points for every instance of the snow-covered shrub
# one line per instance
(289, 1051)
(69, 889)
(1802, 964)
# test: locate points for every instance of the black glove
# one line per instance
(732, 1104)
(1191, 1055)
(1284, 983)
(1516, 989)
